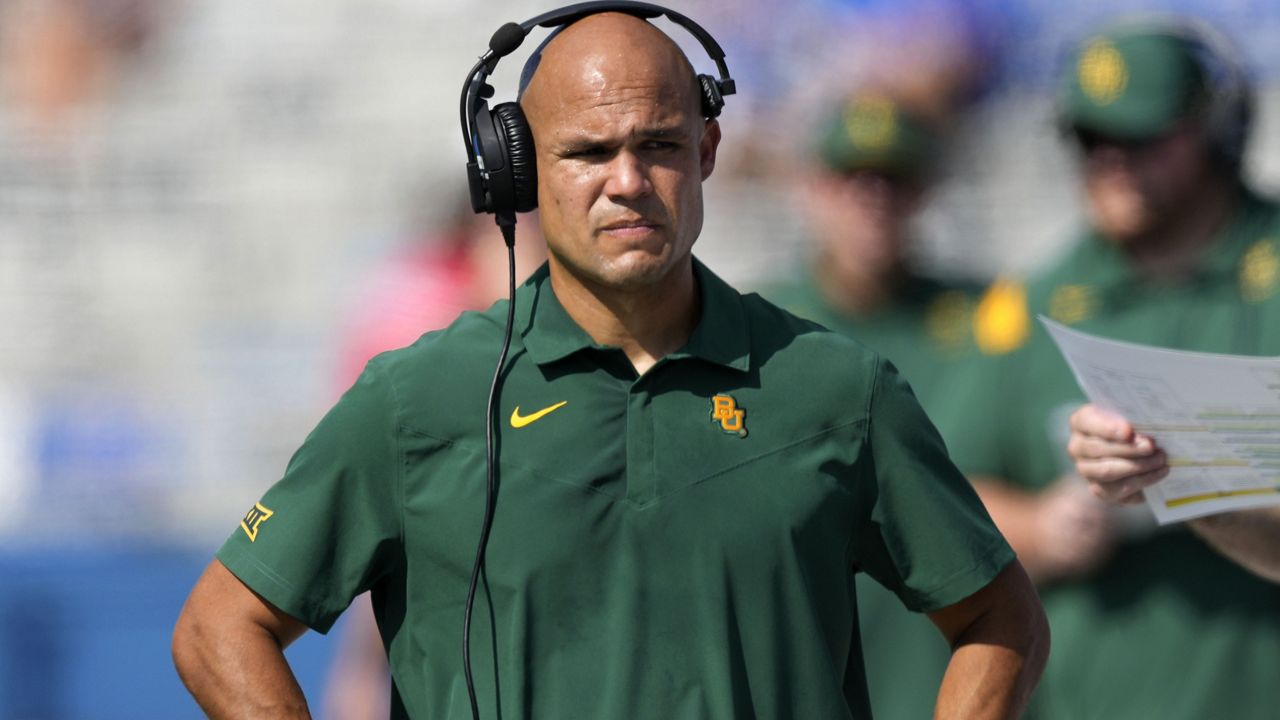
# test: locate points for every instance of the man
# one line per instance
(872, 165)
(1148, 621)
(688, 477)
(1119, 462)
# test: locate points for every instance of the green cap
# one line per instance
(1133, 84)
(873, 132)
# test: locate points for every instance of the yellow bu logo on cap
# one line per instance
(1103, 73)
(732, 418)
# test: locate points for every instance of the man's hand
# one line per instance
(1116, 461)
(1119, 463)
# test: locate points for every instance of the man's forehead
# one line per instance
(603, 52)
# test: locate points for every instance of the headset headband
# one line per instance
(510, 36)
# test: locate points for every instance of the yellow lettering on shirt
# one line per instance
(732, 418)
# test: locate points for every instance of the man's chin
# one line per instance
(635, 270)
(1129, 233)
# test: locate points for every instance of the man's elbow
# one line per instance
(1039, 639)
(189, 646)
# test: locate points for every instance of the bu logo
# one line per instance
(732, 418)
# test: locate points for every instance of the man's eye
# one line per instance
(661, 145)
(586, 153)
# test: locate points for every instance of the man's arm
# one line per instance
(1250, 537)
(228, 647)
(1058, 532)
(1119, 462)
(999, 641)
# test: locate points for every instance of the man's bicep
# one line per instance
(219, 597)
(1009, 600)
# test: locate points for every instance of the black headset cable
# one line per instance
(508, 227)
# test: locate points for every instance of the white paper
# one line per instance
(1217, 417)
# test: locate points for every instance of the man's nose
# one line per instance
(628, 177)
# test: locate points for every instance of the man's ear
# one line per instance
(707, 147)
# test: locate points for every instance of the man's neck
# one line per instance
(647, 323)
(1174, 250)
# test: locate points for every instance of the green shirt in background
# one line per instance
(677, 545)
(927, 333)
(1166, 628)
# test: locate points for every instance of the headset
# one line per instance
(503, 178)
(1228, 112)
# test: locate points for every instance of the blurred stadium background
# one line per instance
(195, 194)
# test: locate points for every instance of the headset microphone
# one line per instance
(506, 39)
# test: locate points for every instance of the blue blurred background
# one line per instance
(197, 199)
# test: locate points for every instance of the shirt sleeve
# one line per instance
(929, 539)
(332, 526)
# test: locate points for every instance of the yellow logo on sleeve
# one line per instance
(253, 519)
(947, 320)
(1001, 322)
(732, 418)
(1259, 271)
(1071, 304)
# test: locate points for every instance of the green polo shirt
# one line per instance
(681, 544)
(1166, 628)
(926, 331)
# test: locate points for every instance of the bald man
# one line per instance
(689, 478)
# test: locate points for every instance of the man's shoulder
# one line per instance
(471, 334)
(452, 364)
(781, 336)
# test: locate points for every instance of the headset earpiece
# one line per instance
(1230, 104)
(521, 156)
(712, 98)
(505, 145)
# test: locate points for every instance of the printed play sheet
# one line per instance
(1217, 417)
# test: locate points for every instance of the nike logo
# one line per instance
(519, 421)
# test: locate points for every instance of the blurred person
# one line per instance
(665, 571)
(425, 285)
(871, 168)
(421, 288)
(1119, 462)
(1178, 252)
(58, 57)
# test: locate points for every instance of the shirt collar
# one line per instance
(721, 336)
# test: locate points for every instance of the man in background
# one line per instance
(1177, 252)
(866, 178)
